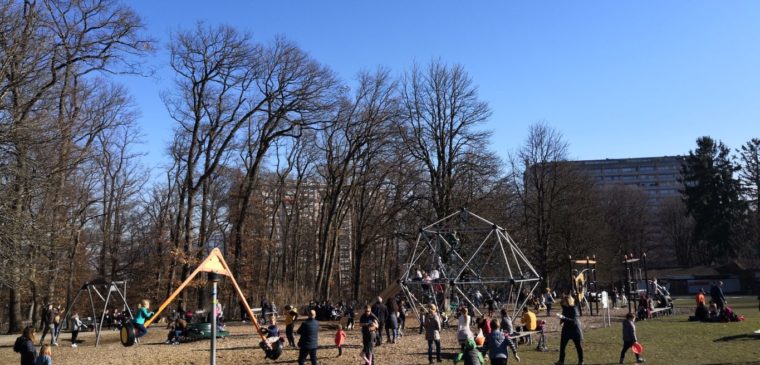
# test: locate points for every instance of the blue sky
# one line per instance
(617, 78)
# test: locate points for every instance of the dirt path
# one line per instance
(241, 347)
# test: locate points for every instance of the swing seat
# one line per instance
(127, 334)
(275, 352)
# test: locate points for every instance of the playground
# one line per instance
(450, 248)
(667, 340)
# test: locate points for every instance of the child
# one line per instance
(470, 354)
(273, 332)
(340, 338)
(629, 337)
(45, 357)
(177, 328)
(76, 324)
(484, 325)
(273, 344)
(142, 315)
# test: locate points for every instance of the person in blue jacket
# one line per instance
(24, 346)
(142, 315)
(309, 340)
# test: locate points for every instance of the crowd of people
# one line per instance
(382, 322)
(717, 310)
(492, 334)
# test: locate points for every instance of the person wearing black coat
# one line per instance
(309, 340)
(391, 322)
(381, 312)
(716, 294)
(571, 330)
(25, 346)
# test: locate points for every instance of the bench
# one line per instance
(661, 311)
(527, 335)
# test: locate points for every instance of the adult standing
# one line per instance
(497, 345)
(506, 322)
(309, 340)
(548, 301)
(291, 315)
(716, 294)
(266, 308)
(76, 324)
(381, 312)
(571, 329)
(57, 325)
(369, 323)
(25, 346)
(401, 317)
(464, 332)
(433, 333)
(391, 322)
(48, 325)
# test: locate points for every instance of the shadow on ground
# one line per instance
(741, 337)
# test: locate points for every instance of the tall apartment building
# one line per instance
(657, 176)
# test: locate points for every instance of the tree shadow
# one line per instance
(741, 337)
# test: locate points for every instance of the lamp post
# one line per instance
(214, 279)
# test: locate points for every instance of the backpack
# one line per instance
(19, 345)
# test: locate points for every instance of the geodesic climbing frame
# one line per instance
(466, 260)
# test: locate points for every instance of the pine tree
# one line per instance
(749, 176)
(713, 197)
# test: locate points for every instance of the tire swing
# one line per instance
(274, 352)
(127, 334)
(214, 265)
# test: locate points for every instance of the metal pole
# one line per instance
(646, 272)
(214, 278)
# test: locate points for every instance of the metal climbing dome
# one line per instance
(466, 260)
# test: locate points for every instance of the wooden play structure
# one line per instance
(583, 273)
(214, 265)
(635, 273)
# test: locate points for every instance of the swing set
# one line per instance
(109, 287)
(215, 266)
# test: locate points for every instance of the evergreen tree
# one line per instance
(749, 176)
(713, 197)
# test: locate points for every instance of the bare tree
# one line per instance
(296, 93)
(48, 50)
(541, 180)
(677, 227)
(359, 124)
(441, 116)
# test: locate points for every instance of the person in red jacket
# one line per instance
(340, 338)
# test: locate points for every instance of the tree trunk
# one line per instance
(14, 311)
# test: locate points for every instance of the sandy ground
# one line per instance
(241, 347)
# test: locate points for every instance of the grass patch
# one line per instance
(669, 340)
